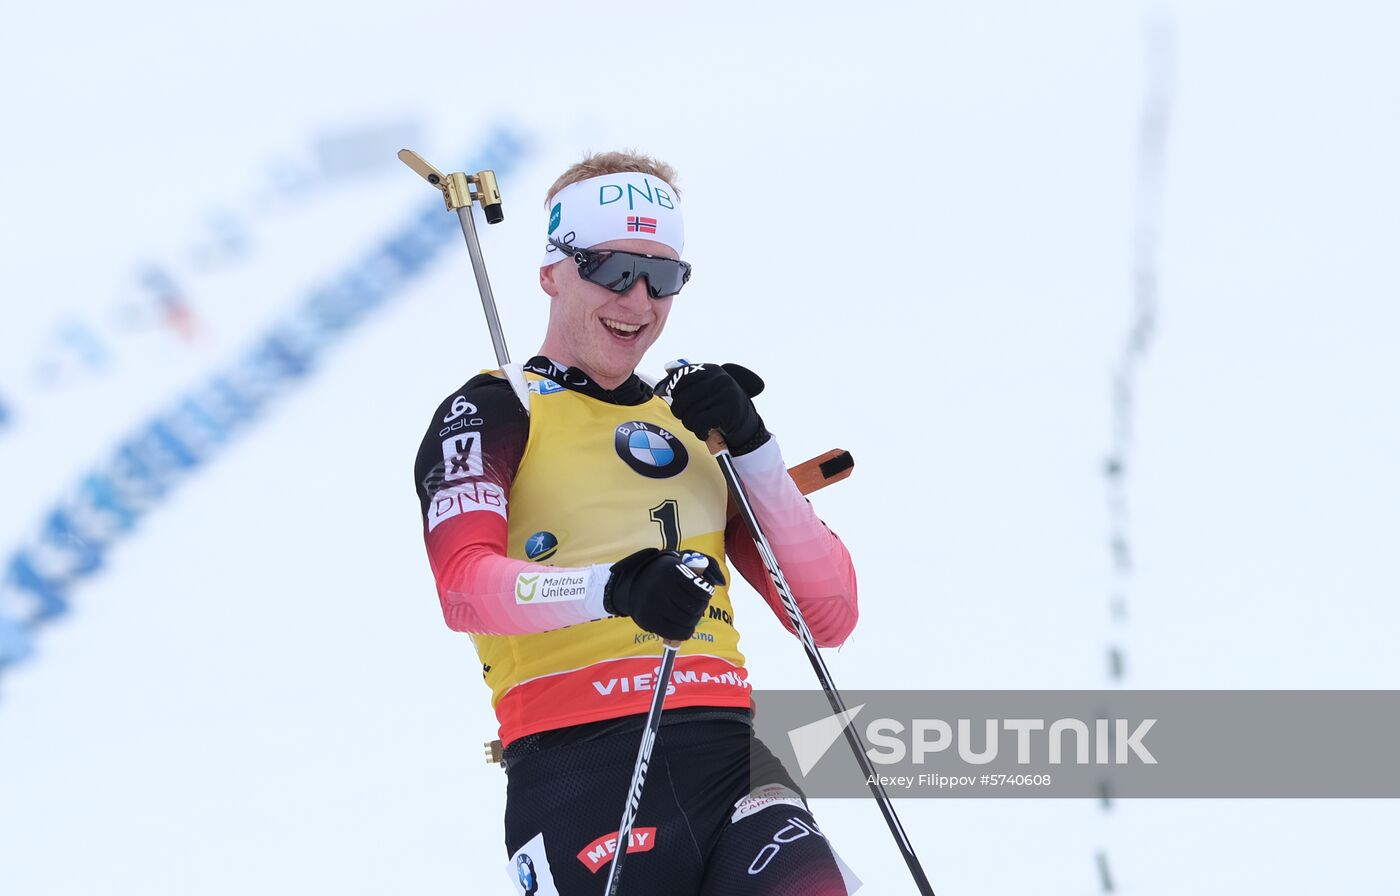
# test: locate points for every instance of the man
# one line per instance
(567, 541)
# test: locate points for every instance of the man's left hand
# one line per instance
(718, 396)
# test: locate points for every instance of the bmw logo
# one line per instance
(541, 546)
(650, 450)
(525, 871)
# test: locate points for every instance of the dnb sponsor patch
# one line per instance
(649, 450)
(465, 498)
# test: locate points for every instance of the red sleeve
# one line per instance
(465, 467)
(815, 563)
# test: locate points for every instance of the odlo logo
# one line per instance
(649, 450)
(795, 829)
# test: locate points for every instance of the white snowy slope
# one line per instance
(914, 221)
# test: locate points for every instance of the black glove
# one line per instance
(718, 396)
(660, 592)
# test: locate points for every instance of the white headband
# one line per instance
(614, 207)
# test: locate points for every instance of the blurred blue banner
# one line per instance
(107, 504)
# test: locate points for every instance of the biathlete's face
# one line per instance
(601, 332)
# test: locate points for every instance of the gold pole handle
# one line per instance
(457, 187)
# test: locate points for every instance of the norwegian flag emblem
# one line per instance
(636, 223)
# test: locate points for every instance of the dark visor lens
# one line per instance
(618, 271)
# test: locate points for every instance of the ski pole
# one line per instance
(457, 192)
(736, 488)
(649, 732)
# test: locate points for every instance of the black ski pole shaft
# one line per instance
(720, 450)
(639, 771)
(649, 732)
(833, 696)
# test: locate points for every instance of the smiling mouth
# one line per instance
(623, 332)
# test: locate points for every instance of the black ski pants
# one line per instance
(719, 815)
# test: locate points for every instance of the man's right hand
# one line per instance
(664, 592)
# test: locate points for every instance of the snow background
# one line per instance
(258, 693)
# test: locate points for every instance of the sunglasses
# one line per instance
(618, 270)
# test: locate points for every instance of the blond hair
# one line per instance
(599, 163)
